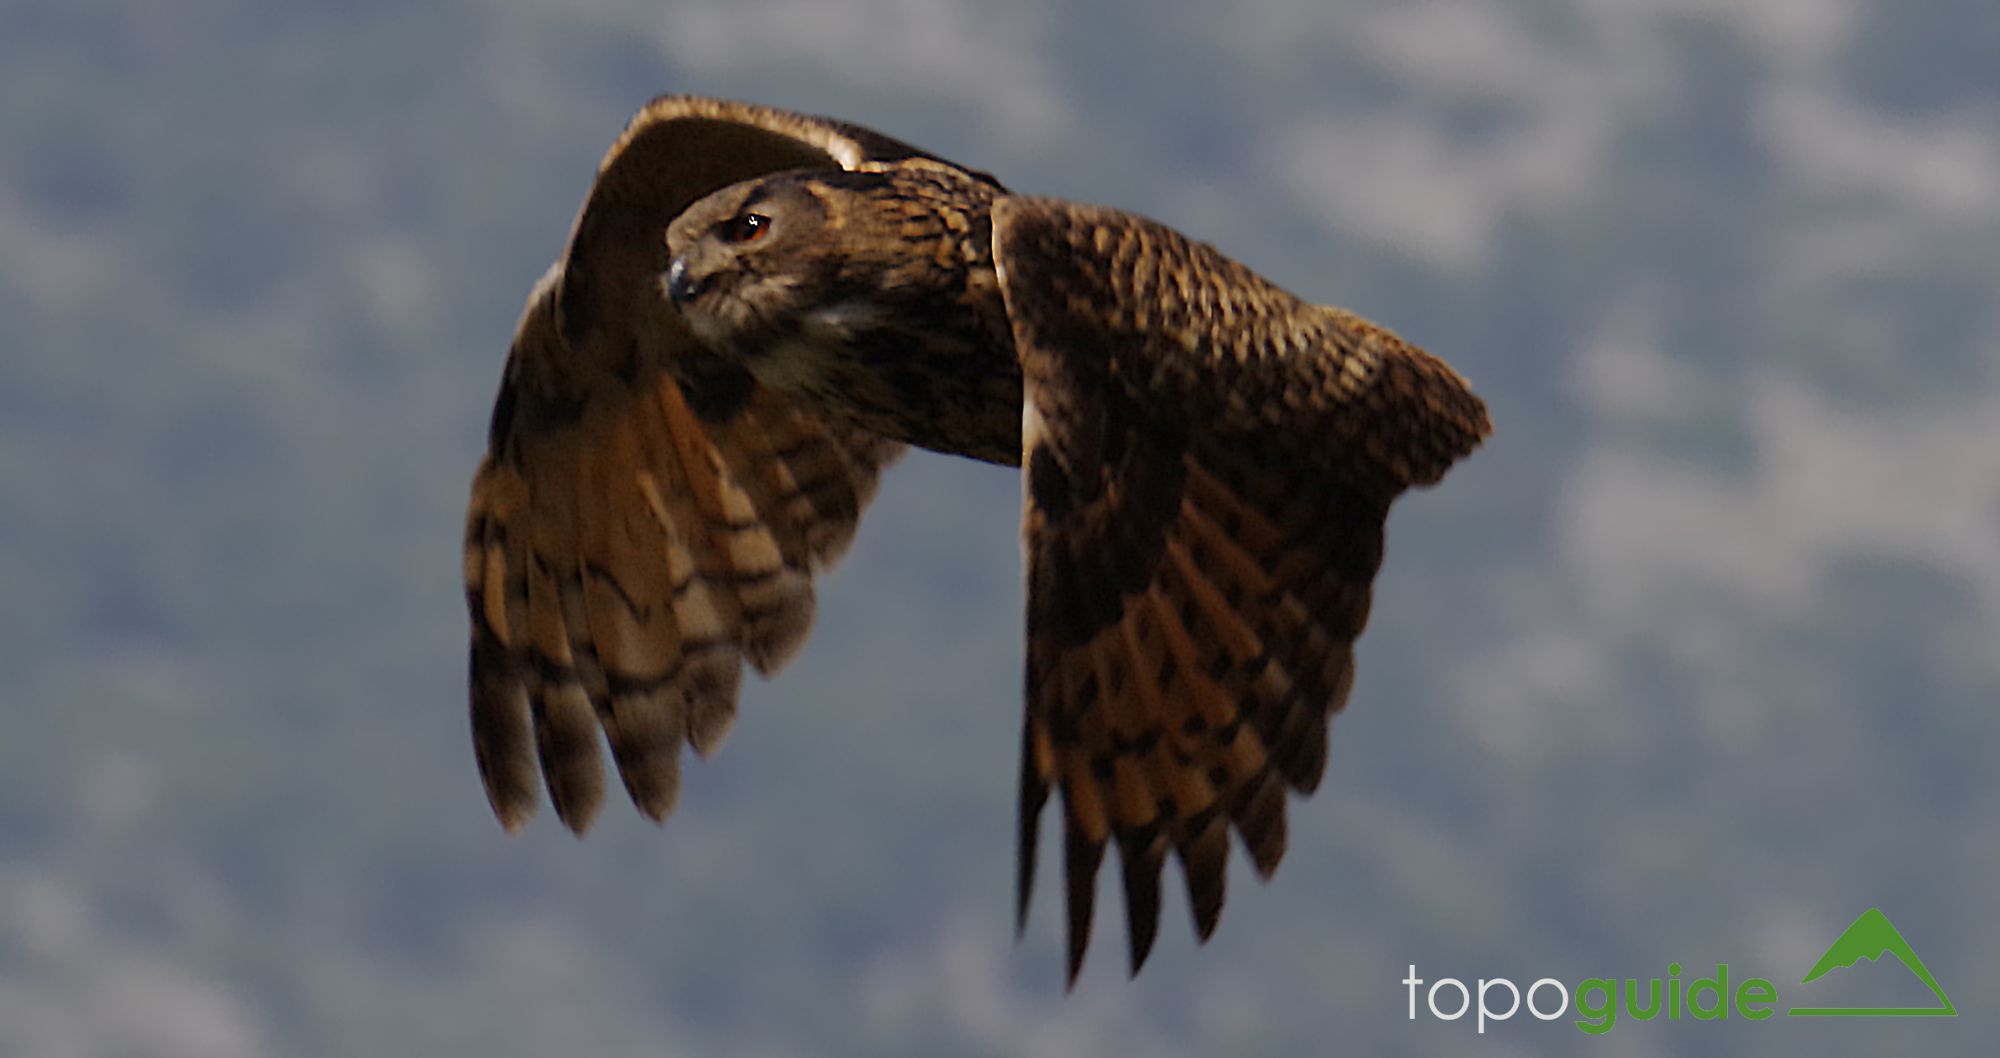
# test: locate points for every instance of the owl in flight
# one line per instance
(758, 310)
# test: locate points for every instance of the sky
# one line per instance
(1696, 660)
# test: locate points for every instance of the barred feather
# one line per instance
(1209, 463)
(647, 518)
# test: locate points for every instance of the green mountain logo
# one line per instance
(1870, 937)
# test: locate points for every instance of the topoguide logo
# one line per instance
(1599, 1002)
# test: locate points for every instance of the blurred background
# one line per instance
(1697, 660)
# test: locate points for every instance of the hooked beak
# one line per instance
(682, 286)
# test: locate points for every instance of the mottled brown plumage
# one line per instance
(648, 517)
(1208, 465)
(871, 296)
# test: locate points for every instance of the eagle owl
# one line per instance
(758, 310)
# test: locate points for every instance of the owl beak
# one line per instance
(682, 285)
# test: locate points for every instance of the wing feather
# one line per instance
(496, 576)
(648, 518)
(1209, 462)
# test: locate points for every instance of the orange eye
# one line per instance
(745, 227)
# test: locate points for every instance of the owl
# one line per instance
(758, 310)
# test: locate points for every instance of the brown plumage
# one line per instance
(647, 517)
(1210, 461)
(1208, 465)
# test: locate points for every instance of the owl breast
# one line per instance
(940, 378)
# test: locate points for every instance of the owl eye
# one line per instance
(745, 227)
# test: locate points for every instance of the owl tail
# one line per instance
(621, 562)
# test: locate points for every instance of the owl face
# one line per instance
(742, 263)
(870, 295)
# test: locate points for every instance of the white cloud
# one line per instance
(1947, 165)
(1406, 185)
(60, 271)
(397, 281)
(1795, 35)
(957, 983)
(1624, 373)
(1827, 481)
(1462, 47)
(93, 990)
(1407, 177)
(988, 57)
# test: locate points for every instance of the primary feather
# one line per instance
(757, 310)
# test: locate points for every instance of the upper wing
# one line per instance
(647, 516)
(1209, 462)
(676, 150)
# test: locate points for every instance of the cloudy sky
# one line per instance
(1695, 661)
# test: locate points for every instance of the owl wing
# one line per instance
(647, 517)
(1209, 462)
